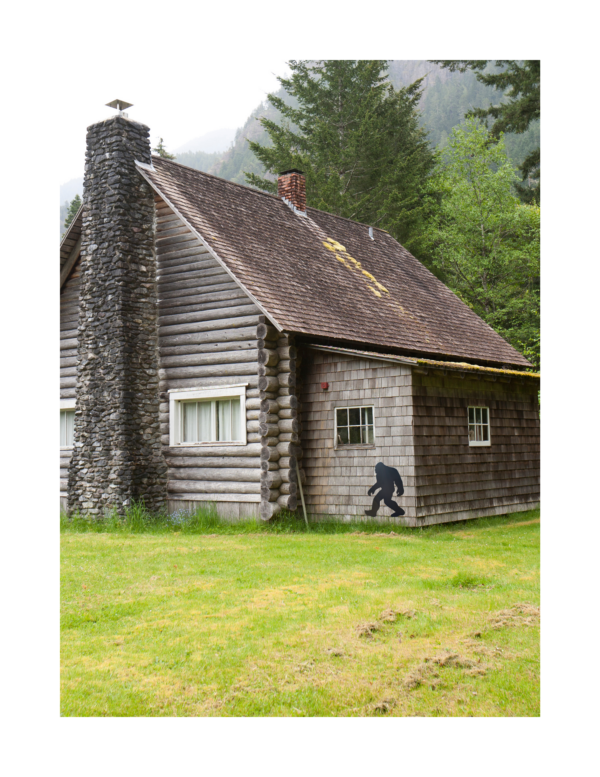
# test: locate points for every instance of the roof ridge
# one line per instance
(352, 221)
(217, 177)
(263, 193)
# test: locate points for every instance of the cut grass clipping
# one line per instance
(193, 617)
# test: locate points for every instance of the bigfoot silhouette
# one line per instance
(387, 478)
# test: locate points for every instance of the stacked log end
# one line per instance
(289, 423)
(278, 420)
(268, 419)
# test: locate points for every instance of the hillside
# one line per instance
(446, 98)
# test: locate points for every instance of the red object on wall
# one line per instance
(324, 386)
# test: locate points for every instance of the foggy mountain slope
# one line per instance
(446, 98)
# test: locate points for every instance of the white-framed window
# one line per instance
(67, 422)
(479, 426)
(354, 425)
(210, 416)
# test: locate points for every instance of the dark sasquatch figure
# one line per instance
(387, 478)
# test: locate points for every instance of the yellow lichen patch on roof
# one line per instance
(340, 253)
(335, 245)
(477, 368)
(375, 281)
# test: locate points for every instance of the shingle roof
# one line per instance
(322, 276)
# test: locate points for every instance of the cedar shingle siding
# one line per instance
(455, 480)
(337, 481)
(421, 430)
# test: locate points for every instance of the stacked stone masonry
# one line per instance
(117, 455)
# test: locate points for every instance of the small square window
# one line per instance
(354, 426)
(479, 426)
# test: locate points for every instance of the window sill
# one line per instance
(480, 444)
(361, 446)
(211, 444)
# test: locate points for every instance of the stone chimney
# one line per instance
(291, 186)
(117, 454)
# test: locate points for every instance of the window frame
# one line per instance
(346, 446)
(178, 396)
(479, 443)
(68, 404)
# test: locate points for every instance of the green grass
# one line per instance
(201, 618)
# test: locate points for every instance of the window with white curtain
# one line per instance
(216, 420)
(67, 422)
(205, 416)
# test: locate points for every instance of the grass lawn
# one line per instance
(441, 621)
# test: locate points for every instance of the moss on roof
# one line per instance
(477, 368)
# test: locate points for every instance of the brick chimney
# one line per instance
(291, 186)
(117, 453)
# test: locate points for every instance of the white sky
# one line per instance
(217, 91)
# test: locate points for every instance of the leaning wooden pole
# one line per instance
(301, 494)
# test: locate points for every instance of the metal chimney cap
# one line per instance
(119, 105)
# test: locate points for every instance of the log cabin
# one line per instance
(224, 346)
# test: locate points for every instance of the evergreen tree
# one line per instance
(356, 139)
(521, 79)
(484, 241)
(73, 208)
(162, 151)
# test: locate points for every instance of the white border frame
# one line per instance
(480, 443)
(353, 446)
(67, 404)
(176, 396)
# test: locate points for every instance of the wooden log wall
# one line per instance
(455, 480)
(69, 319)
(210, 334)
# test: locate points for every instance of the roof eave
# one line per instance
(427, 363)
(310, 338)
(71, 226)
